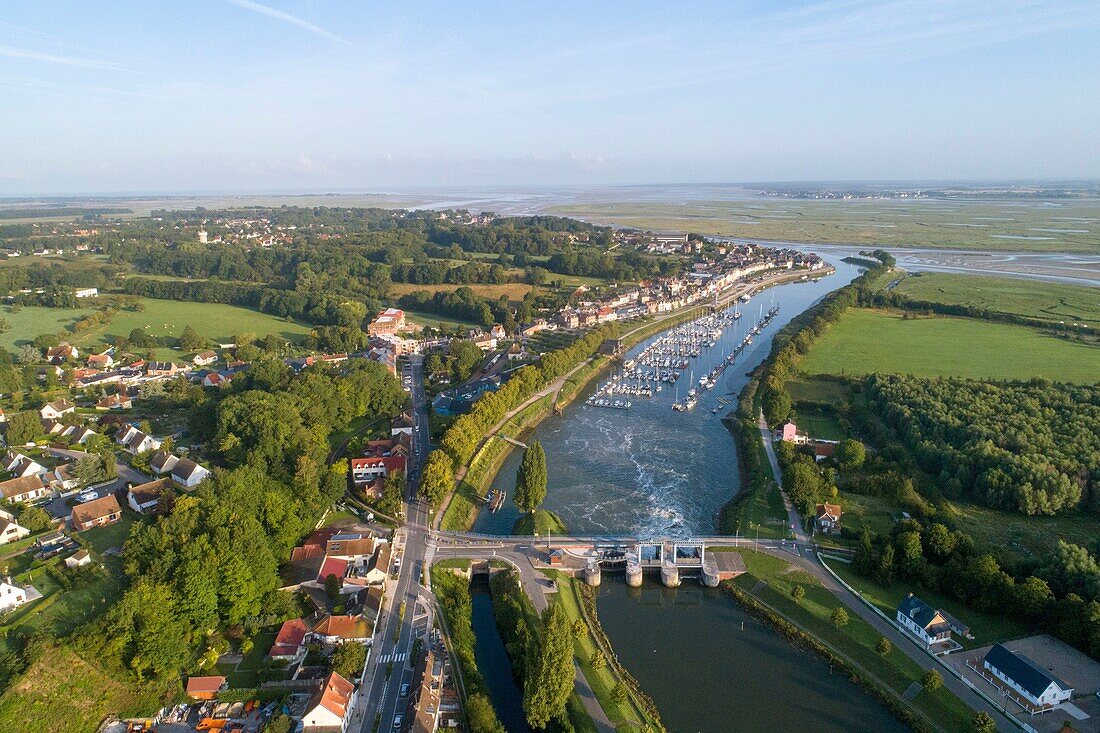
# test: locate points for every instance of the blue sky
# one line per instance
(340, 95)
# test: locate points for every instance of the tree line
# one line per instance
(461, 439)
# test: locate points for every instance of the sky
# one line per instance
(344, 95)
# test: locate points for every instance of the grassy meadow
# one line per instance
(865, 341)
(1029, 298)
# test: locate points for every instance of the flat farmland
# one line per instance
(30, 321)
(1047, 301)
(866, 341)
(513, 291)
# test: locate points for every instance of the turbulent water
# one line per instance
(650, 470)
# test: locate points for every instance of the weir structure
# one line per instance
(673, 560)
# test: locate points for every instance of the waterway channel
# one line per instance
(649, 470)
(706, 672)
(493, 662)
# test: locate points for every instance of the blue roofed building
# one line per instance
(1027, 679)
(928, 625)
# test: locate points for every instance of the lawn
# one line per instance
(865, 341)
(1028, 538)
(1047, 301)
(215, 321)
(986, 628)
(435, 320)
(29, 321)
(820, 389)
(114, 535)
(819, 425)
(857, 640)
(866, 511)
(539, 523)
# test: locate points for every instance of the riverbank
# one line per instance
(460, 511)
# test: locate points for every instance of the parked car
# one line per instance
(404, 690)
(85, 496)
(397, 721)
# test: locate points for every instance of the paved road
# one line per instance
(793, 517)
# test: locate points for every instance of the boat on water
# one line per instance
(495, 500)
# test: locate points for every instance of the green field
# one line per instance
(866, 341)
(1029, 298)
(215, 321)
(436, 321)
(985, 627)
(30, 321)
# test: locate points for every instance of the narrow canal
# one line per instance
(650, 470)
(689, 652)
(492, 660)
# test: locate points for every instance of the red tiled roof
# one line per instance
(204, 684)
(291, 635)
(336, 694)
(332, 566)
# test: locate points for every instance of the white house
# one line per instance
(19, 465)
(1025, 677)
(86, 292)
(54, 410)
(403, 423)
(78, 559)
(204, 358)
(11, 530)
(929, 625)
(11, 594)
(187, 473)
(135, 441)
(25, 488)
(330, 708)
(145, 498)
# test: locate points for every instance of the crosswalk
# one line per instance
(393, 657)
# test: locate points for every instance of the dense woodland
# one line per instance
(1031, 447)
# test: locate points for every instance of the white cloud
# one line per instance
(24, 53)
(287, 18)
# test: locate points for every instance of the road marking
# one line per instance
(392, 657)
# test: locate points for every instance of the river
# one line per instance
(706, 672)
(493, 662)
(649, 470)
(652, 471)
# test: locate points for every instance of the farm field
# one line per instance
(1018, 225)
(513, 291)
(1048, 301)
(435, 320)
(866, 341)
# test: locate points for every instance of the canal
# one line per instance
(492, 660)
(688, 650)
(650, 470)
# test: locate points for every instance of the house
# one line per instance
(372, 603)
(365, 470)
(204, 358)
(63, 479)
(62, 352)
(162, 462)
(86, 292)
(77, 435)
(388, 322)
(498, 332)
(790, 432)
(11, 530)
(188, 474)
(1036, 685)
(823, 450)
(19, 465)
(556, 558)
(403, 423)
(11, 594)
(827, 518)
(290, 642)
(44, 373)
(54, 410)
(930, 626)
(205, 688)
(78, 559)
(135, 441)
(339, 629)
(24, 489)
(96, 513)
(329, 711)
(145, 498)
(101, 361)
(117, 401)
(161, 369)
(429, 692)
(214, 379)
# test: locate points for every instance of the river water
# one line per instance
(493, 662)
(706, 672)
(650, 470)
